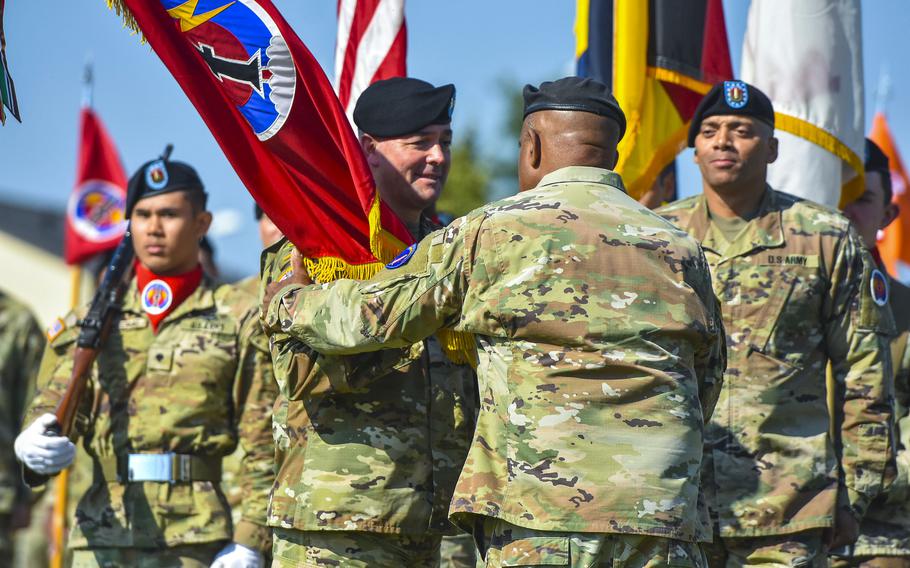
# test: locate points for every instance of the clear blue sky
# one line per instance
(474, 44)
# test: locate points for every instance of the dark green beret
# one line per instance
(732, 97)
(403, 105)
(160, 176)
(577, 94)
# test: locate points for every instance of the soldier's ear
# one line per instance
(368, 143)
(532, 148)
(203, 222)
(772, 150)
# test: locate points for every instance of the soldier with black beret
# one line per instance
(786, 477)
(365, 476)
(180, 380)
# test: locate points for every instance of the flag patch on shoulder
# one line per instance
(55, 329)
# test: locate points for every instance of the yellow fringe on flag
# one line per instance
(129, 22)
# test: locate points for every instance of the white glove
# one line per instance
(41, 452)
(238, 556)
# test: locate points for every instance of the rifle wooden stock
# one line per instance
(95, 327)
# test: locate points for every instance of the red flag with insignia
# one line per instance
(273, 112)
(95, 211)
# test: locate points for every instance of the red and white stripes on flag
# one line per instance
(372, 45)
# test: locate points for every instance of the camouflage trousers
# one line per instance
(870, 562)
(458, 551)
(353, 549)
(187, 556)
(510, 545)
(805, 549)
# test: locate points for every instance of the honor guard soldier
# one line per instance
(366, 472)
(21, 345)
(785, 477)
(601, 348)
(178, 382)
(884, 538)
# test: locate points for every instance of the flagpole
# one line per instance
(882, 90)
(58, 519)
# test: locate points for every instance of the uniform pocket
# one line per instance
(536, 551)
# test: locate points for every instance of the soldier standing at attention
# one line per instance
(177, 383)
(21, 345)
(884, 538)
(794, 282)
(366, 472)
(601, 348)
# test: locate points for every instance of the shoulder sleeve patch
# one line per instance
(878, 286)
(55, 329)
(402, 258)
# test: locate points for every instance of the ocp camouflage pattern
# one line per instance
(368, 442)
(197, 387)
(601, 352)
(794, 286)
(885, 531)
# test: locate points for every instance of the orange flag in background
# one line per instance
(895, 245)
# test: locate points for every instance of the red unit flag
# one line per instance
(274, 114)
(95, 211)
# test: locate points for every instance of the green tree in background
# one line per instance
(476, 179)
(469, 178)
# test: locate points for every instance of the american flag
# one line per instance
(372, 45)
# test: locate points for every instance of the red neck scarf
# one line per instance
(160, 295)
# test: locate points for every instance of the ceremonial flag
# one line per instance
(807, 57)
(894, 246)
(7, 89)
(274, 114)
(659, 60)
(372, 45)
(95, 219)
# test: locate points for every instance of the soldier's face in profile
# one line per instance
(734, 151)
(411, 170)
(166, 232)
(871, 212)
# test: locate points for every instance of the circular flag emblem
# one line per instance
(157, 297)
(96, 210)
(156, 175)
(245, 51)
(403, 257)
(878, 285)
(736, 94)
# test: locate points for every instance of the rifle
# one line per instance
(94, 330)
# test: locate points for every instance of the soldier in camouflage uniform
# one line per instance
(884, 539)
(21, 344)
(794, 283)
(601, 349)
(366, 471)
(178, 382)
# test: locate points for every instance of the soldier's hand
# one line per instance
(297, 275)
(41, 451)
(238, 556)
(846, 529)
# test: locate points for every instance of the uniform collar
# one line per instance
(202, 298)
(764, 231)
(584, 174)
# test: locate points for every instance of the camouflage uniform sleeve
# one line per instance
(54, 374)
(30, 344)
(899, 491)
(396, 308)
(857, 332)
(255, 391)
(711, 360)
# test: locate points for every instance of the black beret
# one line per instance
(732, 97)
(160, 176)
(575, 93)
(876, 160)
(257, 211)
(402, 105)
